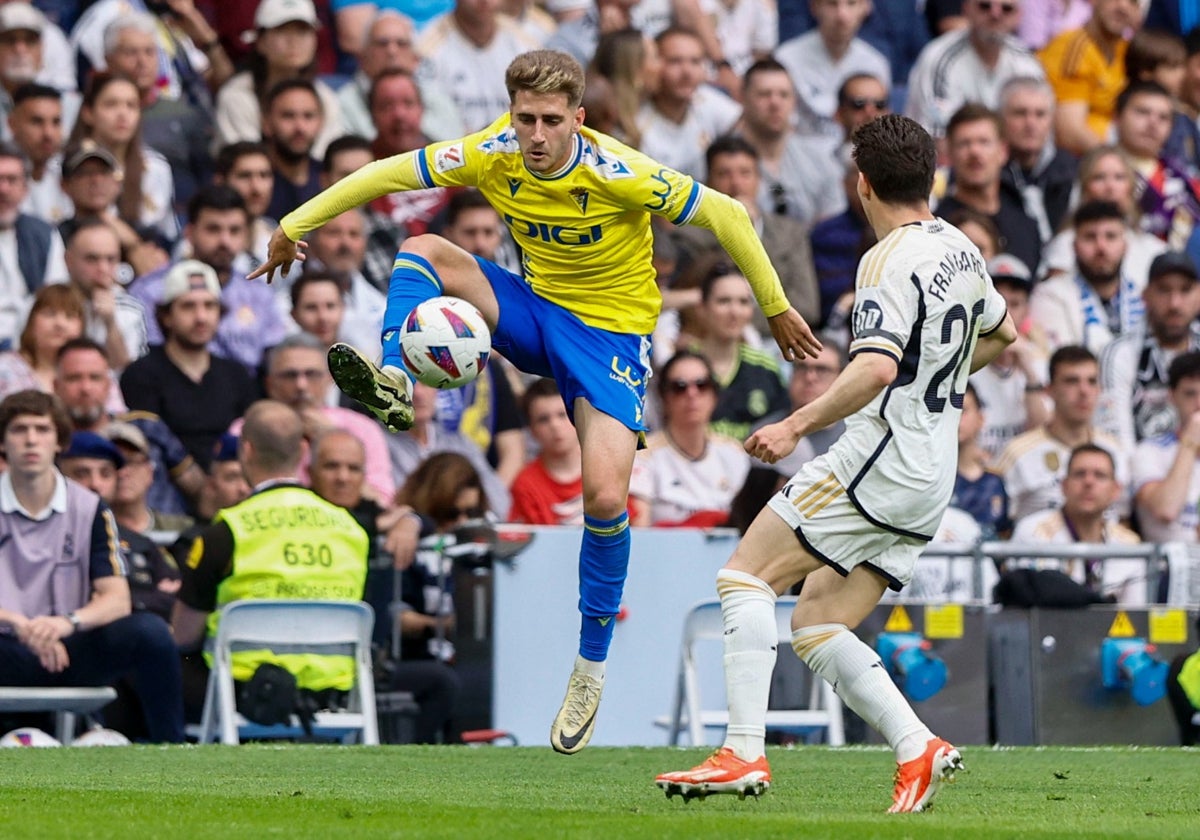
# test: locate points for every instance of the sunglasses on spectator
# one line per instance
(682, 386)
(989, 5)
(465, 513)
(859, 103)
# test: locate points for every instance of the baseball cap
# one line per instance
(189, 276)
(92, 445)
(75, 156)
(15, 16)
(120, 431)
(273, 13)
(1007, 267)
(1173, 262)
(226, 448)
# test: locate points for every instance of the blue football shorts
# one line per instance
(608, 369)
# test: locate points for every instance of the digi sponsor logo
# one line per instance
(449, 157)
(556, 234)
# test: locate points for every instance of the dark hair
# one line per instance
(1185, 366)
(395, 73)
(1071, 354)
(1091, 449)
(462, 201)
(311, 278)
(1098, 211)
(540, 389)
(287, 86)
(33, 90)
(842, 96)
(345, 143)
(260, 72)
(676, 29)
(129, 203)
(1139, 88)
(969, 391)
(230, 154)
(1150, 49)
(664, 380)
(432, 488)
(38, 404)
(81, 343)
(90, 224)
(974, 112)
(763, 65)
(965, 215)
(897, 157)
(728, 144)
(216, 197)
(720, 269)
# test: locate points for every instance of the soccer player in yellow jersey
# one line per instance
(578, 203)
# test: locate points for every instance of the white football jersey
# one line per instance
(923, 297)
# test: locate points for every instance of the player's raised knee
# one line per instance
(604, 503)
(427, 245)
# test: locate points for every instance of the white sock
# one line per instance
(589, 667)
(748, 611)
(859, 678)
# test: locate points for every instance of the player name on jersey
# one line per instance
(951, 266)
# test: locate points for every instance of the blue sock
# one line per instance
(414, 281)
(603, 562)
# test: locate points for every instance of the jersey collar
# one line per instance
(566, 168)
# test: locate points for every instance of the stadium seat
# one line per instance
(284, 626)
(703, 622)
(64, 702)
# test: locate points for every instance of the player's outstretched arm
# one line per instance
(281, 253)
(989, 346)
(793, 335)
(860, 382)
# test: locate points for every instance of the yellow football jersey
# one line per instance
(584, 231)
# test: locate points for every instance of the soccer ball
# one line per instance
(445, 342)
(28, 736)
(101, 737)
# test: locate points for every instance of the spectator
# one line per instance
(55, 318)
(797, 176)
(31, 251)
(749, 385)
(35, 123)
(469, 48)
(68, 611)
(390, 45)
(549, 490)
(246, 551)
(629, 62)
(130, 502)
(978, 228)
(91, 179)
(297, 377)
(191, 61)
(88, 389)
(821, 59)
(428, 436)
(223, 487)
(733, 168)
(285, 48)
(1086, 68)
(533, 20)
(23, 32)
(353, 17)
(1012, 385)
(339, 247)
(978, 491)
(1168, 196)
(1105, 174)
(1103, 300)
(1042, 20)
(837, 243)
(684, 113)
(687, 476)
(1134, 368)
(246, 167)
(1041, 173)
(810, 378)
(196, 393)
(748, 31)
(1090, 487)
(291, 123)
(580, 35)
(215, 235)
(318, 307)
(235, 21)
(178, 130)
(113, 318)
(111, 117)
(975, 143)
(1161, 57)
(1034, 464)
(1166, 472)
(969, 65)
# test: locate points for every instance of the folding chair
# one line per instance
(64, 702)
(283, 626)
(704, 622)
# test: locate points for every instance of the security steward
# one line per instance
(285, 542)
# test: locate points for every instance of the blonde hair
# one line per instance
(545, 71)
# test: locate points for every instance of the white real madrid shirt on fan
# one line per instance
(923, 297)
(1034, 464)
(1151, 462)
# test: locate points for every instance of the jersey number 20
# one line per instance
(953, 368)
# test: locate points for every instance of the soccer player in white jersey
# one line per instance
(852, 522)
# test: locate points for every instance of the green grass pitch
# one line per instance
(289, 791)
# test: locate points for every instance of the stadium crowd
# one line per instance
(147, 150)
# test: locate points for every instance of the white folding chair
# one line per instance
(704, 622)
(64, 702)
(283, 626)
